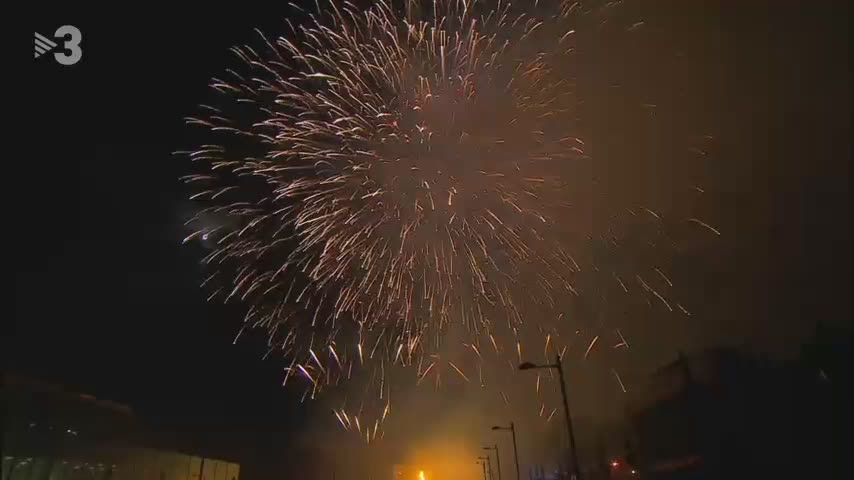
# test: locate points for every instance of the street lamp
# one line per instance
(512, 430)
(482, 464)
(488, 463)
(497, 458)
(558, 366)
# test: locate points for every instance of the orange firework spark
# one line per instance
(590, 347)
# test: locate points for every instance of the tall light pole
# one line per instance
(497, 458)
(488, 463)
(483, 464)
(512, 430)
(559, 367)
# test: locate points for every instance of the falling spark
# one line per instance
(459, 371)
(669, 283)
(423, 375)
(623, 342)
(704, 224)
(337, 415)
(590, 347)
(619, 380)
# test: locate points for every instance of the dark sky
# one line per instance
(107, 301)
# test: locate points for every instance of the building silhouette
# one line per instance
(50, 433)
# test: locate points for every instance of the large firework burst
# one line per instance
(384, 176)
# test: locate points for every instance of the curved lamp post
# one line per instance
(512, 430)
(494, 448)
(557, 366)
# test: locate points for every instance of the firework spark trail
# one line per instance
(705, 225)
(590, 347)
(619, 380)
(459, 371)
(390, 172)
(623, 342)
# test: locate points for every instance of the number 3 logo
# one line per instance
(72, 53)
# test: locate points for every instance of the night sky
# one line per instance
(107, 299)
